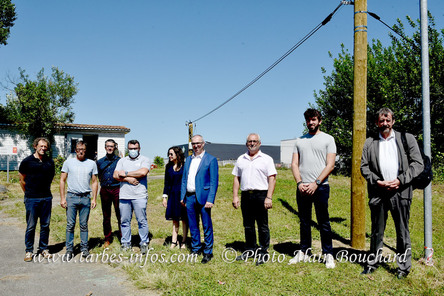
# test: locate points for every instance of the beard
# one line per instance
(313, 129)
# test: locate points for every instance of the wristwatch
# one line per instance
(318, 182)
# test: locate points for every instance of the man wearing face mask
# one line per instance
(255, 174)
(132, 173)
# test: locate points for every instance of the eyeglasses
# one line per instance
(196, 143)
(133, 148)
(252, 141)
(170, 154)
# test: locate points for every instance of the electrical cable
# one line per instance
(376, 17)
(305, 38)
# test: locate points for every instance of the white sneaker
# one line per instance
(330, 261)
(300, 257)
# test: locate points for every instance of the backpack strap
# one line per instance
(404, 144)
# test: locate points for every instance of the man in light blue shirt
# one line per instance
(79, 172)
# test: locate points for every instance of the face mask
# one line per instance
(133, 153)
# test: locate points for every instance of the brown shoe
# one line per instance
(46, 255)
(28, 257)
(106, 244)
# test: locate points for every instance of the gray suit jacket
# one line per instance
(407, 171)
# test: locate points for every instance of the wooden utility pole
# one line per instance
(359, 125)
(190, 135)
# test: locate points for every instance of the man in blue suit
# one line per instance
(199, 186)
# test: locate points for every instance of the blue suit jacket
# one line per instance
(207, 179)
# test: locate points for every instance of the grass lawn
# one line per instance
(223, 277)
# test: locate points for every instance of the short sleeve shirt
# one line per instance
(312, 151)
(127, 190)
(254, 172)
(79, 174)
(38, 176)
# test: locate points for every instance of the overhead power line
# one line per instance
(376, 17)
(305, 38)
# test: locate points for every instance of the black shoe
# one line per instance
(401, 274)
(85, 253)
(260, 261)
(206, 258)
(245, 255)
(69, 255)
(368, 270)
(197, 253)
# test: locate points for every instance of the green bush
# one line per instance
(58, 163)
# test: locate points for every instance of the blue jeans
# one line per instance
(82, 204)
(320, 201)
(37, 208)
(127, 206)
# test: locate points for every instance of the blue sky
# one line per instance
(153, 65)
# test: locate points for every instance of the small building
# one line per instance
(64, 142)
(286, 154)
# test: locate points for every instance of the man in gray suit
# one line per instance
(386, 168)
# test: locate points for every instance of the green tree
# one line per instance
(394, 81)
(7, 18)
(159, 161)
(37, 108)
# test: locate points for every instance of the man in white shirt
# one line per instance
(255, 174)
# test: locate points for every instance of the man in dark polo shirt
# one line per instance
(109, 189)
(36, 173)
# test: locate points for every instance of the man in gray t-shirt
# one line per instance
(313, 160)
(132, 173)
(79, 172)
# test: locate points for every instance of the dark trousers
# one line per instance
(320, 201)
(400, 210)
(194, 210)
(253, 211)
(110, 197)
(37, 208)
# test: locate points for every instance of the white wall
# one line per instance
(8, 138)
(119, 138)
(287, 147)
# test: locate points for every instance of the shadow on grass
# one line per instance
(347, 254)
(335, 235)
(94, 242)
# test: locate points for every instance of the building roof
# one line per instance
(77, 126)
